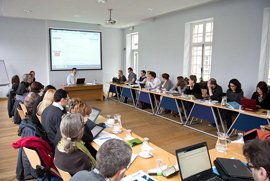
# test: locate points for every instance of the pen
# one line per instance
(105, 138)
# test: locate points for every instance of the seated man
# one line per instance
(131, 76)
(52, 116)
(152, 81)
(72, 77)
(258, 157)
(142, 78)
(113, 158)
(214, 91)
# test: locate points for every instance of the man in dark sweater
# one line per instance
(52, 116)
(214, 91)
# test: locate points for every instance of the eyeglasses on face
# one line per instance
(250, 166)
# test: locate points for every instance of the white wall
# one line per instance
(24, 45)
(236, 41)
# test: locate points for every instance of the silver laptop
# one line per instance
(94, 114)
(194, 163)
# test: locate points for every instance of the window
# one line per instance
(134, 41)
(264, 66)
(201, 49)
(132, 53)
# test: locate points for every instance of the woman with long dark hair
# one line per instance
(262, 96)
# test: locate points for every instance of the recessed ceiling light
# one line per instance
(27, 11)
(150, 9)
(102, 1)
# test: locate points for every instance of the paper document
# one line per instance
(133, 157)
(104, 136)
(140, 175)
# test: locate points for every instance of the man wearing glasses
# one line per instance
(258, 157)
(52, 116)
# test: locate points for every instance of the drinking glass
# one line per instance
(221, 145)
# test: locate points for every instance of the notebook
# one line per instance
(80, 80)
(233, 105)
(248, 104)
(194, 163)
(94, 114)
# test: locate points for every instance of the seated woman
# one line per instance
(180, 85)
(36, 87)
(33, 74)
(166, 83)
(85, 111)
(70, 154)
(24, 87)
(234, 93)
(47, 100)
(262, 96)
(193, 88)
(15, 81)
(28, 128)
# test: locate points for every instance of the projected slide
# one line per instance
(73, 48)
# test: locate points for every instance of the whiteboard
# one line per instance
(4, 80)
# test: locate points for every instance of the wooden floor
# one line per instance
(165, 134)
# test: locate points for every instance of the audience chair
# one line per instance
(35, 161)
(23, 107)
(64, 175)
(39, 117)
(21, 113)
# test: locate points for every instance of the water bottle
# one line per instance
(224, 101)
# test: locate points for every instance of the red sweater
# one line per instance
(42, 147)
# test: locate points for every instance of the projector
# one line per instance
(111, 21)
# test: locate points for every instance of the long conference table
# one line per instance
(202, 109)
(234, 151)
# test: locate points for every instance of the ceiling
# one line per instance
(126, 12)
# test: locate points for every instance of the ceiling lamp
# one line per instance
(110, 21)
(102, 1)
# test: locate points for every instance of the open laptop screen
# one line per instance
(94, 114)
(193, 161)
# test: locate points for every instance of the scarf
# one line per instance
(80, 146)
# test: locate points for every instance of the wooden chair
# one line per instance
(32, 157)
(21, 113)
(35, 161)
(39, 117)
(23, 107)
(64, 175)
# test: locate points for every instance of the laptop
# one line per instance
(248, 104)
(195, 164)
(97, 130)
(94, 114)
(80, 80)
(233, 168)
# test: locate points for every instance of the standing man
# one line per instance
(132, 77)
(72, 77)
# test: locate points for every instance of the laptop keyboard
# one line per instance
(215, 179)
